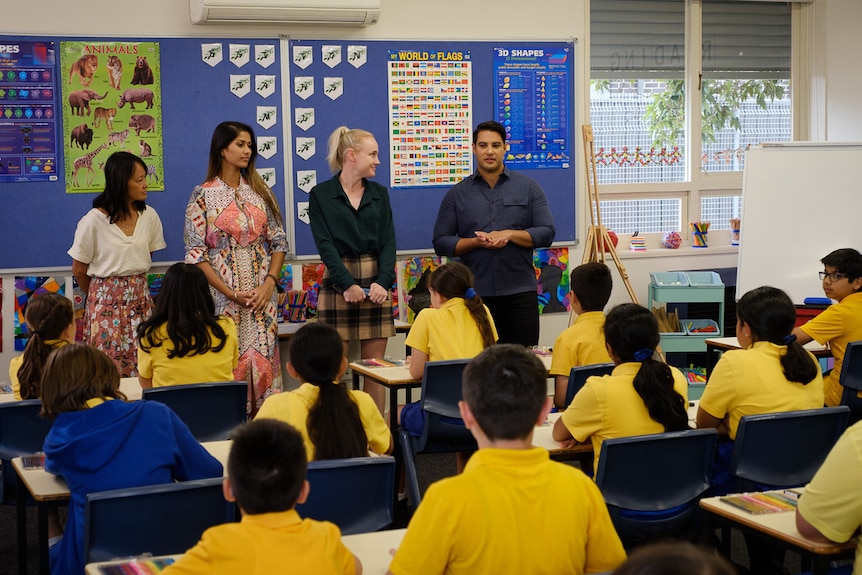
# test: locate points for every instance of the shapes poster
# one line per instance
(111, 101)
(26, 288)
(552, 276)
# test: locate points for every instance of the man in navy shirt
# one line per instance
(493, 220)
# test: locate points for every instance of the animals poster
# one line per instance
(552, 276)
(414, 280)
(111, 101)
(26, 288)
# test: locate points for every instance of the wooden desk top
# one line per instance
(44, 486)
(781, 525)
(372, 549)
(400, 375)
(729, 343)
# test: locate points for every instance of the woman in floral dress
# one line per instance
(234, 232)
(111, 255)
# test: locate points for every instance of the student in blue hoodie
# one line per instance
(100, 442)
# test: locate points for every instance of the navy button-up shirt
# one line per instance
(516, 203)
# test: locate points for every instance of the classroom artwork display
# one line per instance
(552, 276)
(26, 288)
(312, 275)
(79, 304)
(414, 281)
(111, 102)
(285, 278)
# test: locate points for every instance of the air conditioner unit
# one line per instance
(332, 12)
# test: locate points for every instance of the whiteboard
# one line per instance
(800, 201)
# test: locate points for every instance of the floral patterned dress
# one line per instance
(235, 231)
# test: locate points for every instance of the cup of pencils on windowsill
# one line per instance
(699, 231)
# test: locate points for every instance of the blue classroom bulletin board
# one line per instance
(196, 84)
(421, 100)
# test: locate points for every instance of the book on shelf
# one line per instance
(764, 502)
(381, 362)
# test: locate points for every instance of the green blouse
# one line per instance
(339, 230)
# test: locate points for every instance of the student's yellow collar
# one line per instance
(93, 402)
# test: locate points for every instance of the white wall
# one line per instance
(459, 20)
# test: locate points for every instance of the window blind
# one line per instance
(646, 39)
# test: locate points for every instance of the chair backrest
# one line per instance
(159, 519)
(441, 391)
(579, 374)
(22, 431)
(785, 449)
(211, 410)
(851, 380)
(357, 493)
(656, 472)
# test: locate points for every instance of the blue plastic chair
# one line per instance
(357, 493)
(211, 410)
(444, 432)
(652, 483)
(162, 519)
(851, 380)
(774, 450)
(22, 432)
(579, 374)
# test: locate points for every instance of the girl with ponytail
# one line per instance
(456, 326)
(642, 395)
(771, 373)
(51, 322)
(334, 422)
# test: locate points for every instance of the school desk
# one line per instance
(372, 549)
(287, 329)
(777, 527)
(396, 378)
(715, 347)
(46, 488)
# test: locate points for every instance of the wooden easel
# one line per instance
(598, 240)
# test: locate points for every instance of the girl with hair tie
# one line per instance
(642, 395)
(771, 373)
(234, 233)
(51, 322)
(456, 326)
(335, 422)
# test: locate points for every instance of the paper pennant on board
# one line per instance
(240, 85)
(305, 147)
(330, 55)
(239, 54)
(306, 179)
(302, 212)
(267, 116)
(303, 86)
(303, 118)
(303, 56)
(267, 175)
(267, 146)
(211, 54)
(264, 55)
(357, 55)
(333, 87)
(264, 84)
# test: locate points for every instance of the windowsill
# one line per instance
(679, 252)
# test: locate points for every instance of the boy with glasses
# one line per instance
(840, 323)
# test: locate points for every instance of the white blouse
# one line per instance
(109, 251)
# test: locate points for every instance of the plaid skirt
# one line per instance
(364, 320)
